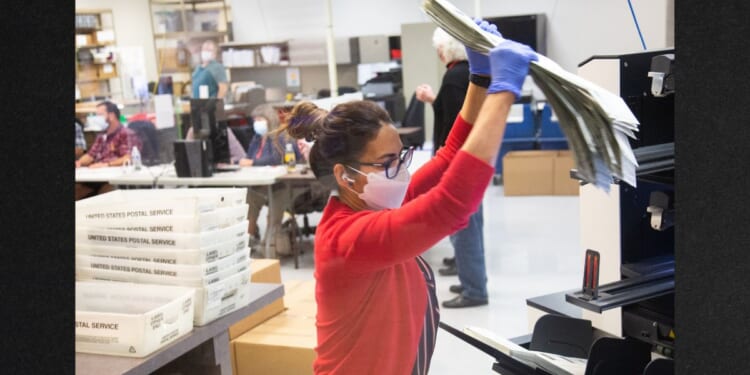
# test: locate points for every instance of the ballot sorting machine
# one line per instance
(622, 318)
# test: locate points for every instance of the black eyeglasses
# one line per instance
(391, 170)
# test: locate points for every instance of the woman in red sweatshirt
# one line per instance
(377, 309)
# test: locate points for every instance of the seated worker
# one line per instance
(210, 73)
(377, 310)
(110, 149)
(267, 148)
(80, 140)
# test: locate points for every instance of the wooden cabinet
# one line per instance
(97, 75)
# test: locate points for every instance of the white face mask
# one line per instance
(382, 192)
(207, 56)
(260, 127)
(97, 122)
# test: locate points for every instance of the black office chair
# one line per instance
(149, 137)
(313, 199)
(414, 117)
(244, 134)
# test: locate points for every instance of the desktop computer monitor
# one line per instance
(209, 123)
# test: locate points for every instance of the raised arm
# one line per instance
(429, 175)
(370, 242)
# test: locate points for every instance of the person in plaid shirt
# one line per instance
(110, 149)
(80, 140)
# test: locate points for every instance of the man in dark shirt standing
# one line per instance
(468, 243)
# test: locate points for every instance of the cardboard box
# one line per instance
(105, 37)
(83, 40)
(108, 70)
(265, 271)
(169, 58)
(563, 184)
(261, 271)
(529, 172)
(283, 345)
(88, 73)
(299, 293)
(251, 321)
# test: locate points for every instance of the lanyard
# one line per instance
(260, 149)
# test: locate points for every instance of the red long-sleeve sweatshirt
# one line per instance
(370, 292)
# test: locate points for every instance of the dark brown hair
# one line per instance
(340, 135)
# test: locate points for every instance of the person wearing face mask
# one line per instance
(111, 148)
(377, 307)
(267, 148)
(468, 243)
(236, 152)
(210, 73)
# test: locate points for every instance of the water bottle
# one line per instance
(290, 158)
(135, 155)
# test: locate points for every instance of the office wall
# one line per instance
(312, 78)
(132, 27)
(576, 29)
(420, 65)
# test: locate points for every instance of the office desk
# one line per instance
(248, 176)
(165, 175)
(213, 337)
(108, 174)
(85, 174)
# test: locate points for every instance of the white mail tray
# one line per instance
(144, 203)
(154, 268)
(132, 320)
(219, 299)
(207, 254)
(146, 276)
(124, 238)
(205, 221)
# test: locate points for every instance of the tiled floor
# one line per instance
(532, 248)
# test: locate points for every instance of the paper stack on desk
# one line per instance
(595, 121)
(183, 237)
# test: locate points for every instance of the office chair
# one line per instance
(313, 199)
(146, 131)
(244, 134)
(414, 117)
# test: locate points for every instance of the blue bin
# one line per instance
(523, 129)
(551, 136)
(518, 136)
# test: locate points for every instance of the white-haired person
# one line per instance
(468, 243)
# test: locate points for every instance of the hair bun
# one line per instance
(306, 120)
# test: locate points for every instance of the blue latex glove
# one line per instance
(479, 63)
(510, 65)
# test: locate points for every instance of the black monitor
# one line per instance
(209, 122)
(529, 29)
